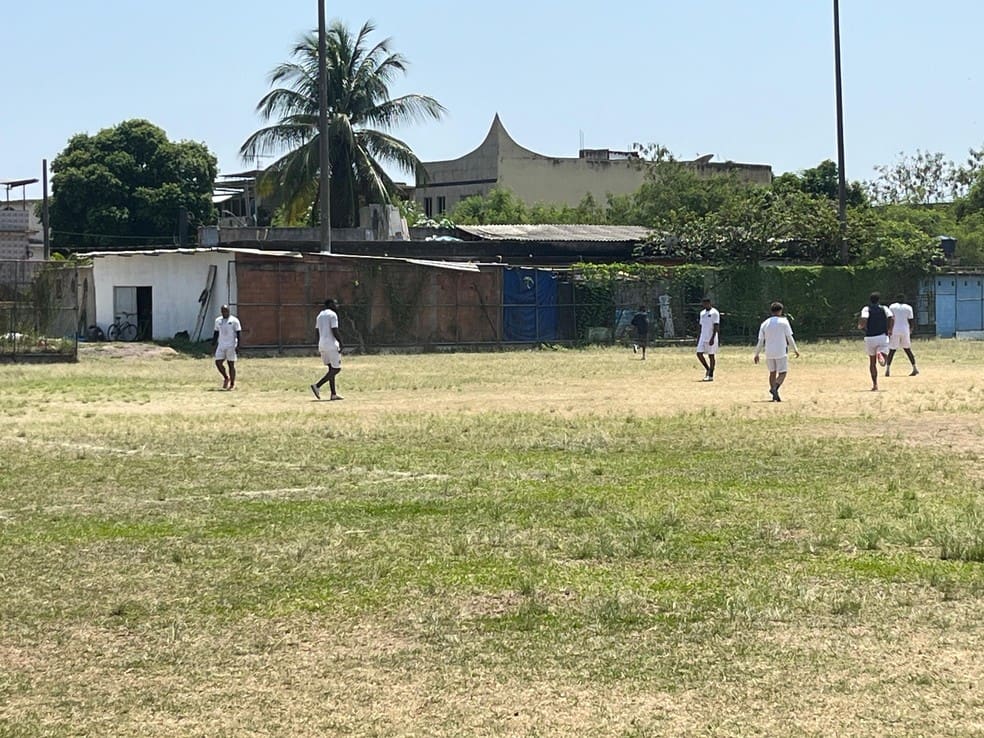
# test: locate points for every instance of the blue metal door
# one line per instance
(946, 307)
(970, 301)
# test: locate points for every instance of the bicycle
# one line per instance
(122, 329)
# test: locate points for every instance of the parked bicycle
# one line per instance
(123, 329)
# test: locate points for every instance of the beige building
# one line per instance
(534, 178)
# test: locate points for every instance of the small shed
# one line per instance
(167, 291)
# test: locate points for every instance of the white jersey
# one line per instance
(775, 334)
(865, 313)
(327, 323)
(227, 328)
(903, 314)
(708, 319)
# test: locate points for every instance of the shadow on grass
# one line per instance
(189, 348)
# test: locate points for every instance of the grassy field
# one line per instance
(550, 543)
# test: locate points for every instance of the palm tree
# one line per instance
(359, 112)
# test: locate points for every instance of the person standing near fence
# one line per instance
(330, 346)
(640, 321)
(776, 337)
(876, 322)
(225, 338)
(901, 334)
(707, 343)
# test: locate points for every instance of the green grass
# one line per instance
(545, 543)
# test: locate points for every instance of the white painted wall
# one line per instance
(176, 279)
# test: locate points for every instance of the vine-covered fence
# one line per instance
(38, 311)
(821, 301)
(403, 303)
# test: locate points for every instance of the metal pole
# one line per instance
(324, 165)
(841, 184)
(44, 210)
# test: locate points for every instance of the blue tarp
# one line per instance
(529, 300)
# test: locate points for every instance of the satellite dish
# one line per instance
(703, 159)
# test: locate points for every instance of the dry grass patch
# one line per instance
(557, 543)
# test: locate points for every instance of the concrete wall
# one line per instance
(176, 280)
(567, 181)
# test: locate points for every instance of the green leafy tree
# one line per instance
(821, 181)
(501, 206)
(974, 200)
(924, 224)
(360, 112)
(126, 185)
(924, 178)
(672, 189)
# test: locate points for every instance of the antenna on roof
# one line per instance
(581, 134)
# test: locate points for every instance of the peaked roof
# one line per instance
(497, 143)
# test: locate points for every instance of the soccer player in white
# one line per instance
(710, 324)
(901, 332)
(776, 336)
(330, 346)
(225, 338)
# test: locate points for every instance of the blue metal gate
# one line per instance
(970, 303)
(946, 306)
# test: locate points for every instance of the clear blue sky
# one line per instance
(750, 81)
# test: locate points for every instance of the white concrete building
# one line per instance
(166, 292)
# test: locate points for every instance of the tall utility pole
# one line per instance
(324, 183)
(44, 210)
(841, 182)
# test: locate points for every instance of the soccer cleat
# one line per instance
(336, 397)
(316, 391)
(914, 372)
(881, 358)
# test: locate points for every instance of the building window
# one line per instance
(428, 206)
(442, 205)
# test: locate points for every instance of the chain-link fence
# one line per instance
(38, 311)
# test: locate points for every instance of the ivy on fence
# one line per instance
(821, 300)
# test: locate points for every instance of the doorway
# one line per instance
(137, 305)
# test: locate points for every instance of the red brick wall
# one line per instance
(382, 302)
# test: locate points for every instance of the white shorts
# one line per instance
(704, 348)
(874, 344)
(780, 365)
(225, 354)
(332, 357)
(899, 340)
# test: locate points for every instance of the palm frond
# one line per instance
(360, 109)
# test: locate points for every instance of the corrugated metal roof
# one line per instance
(461, 266)
(188, 251)
(594, 233)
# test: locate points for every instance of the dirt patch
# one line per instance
(118, 350)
